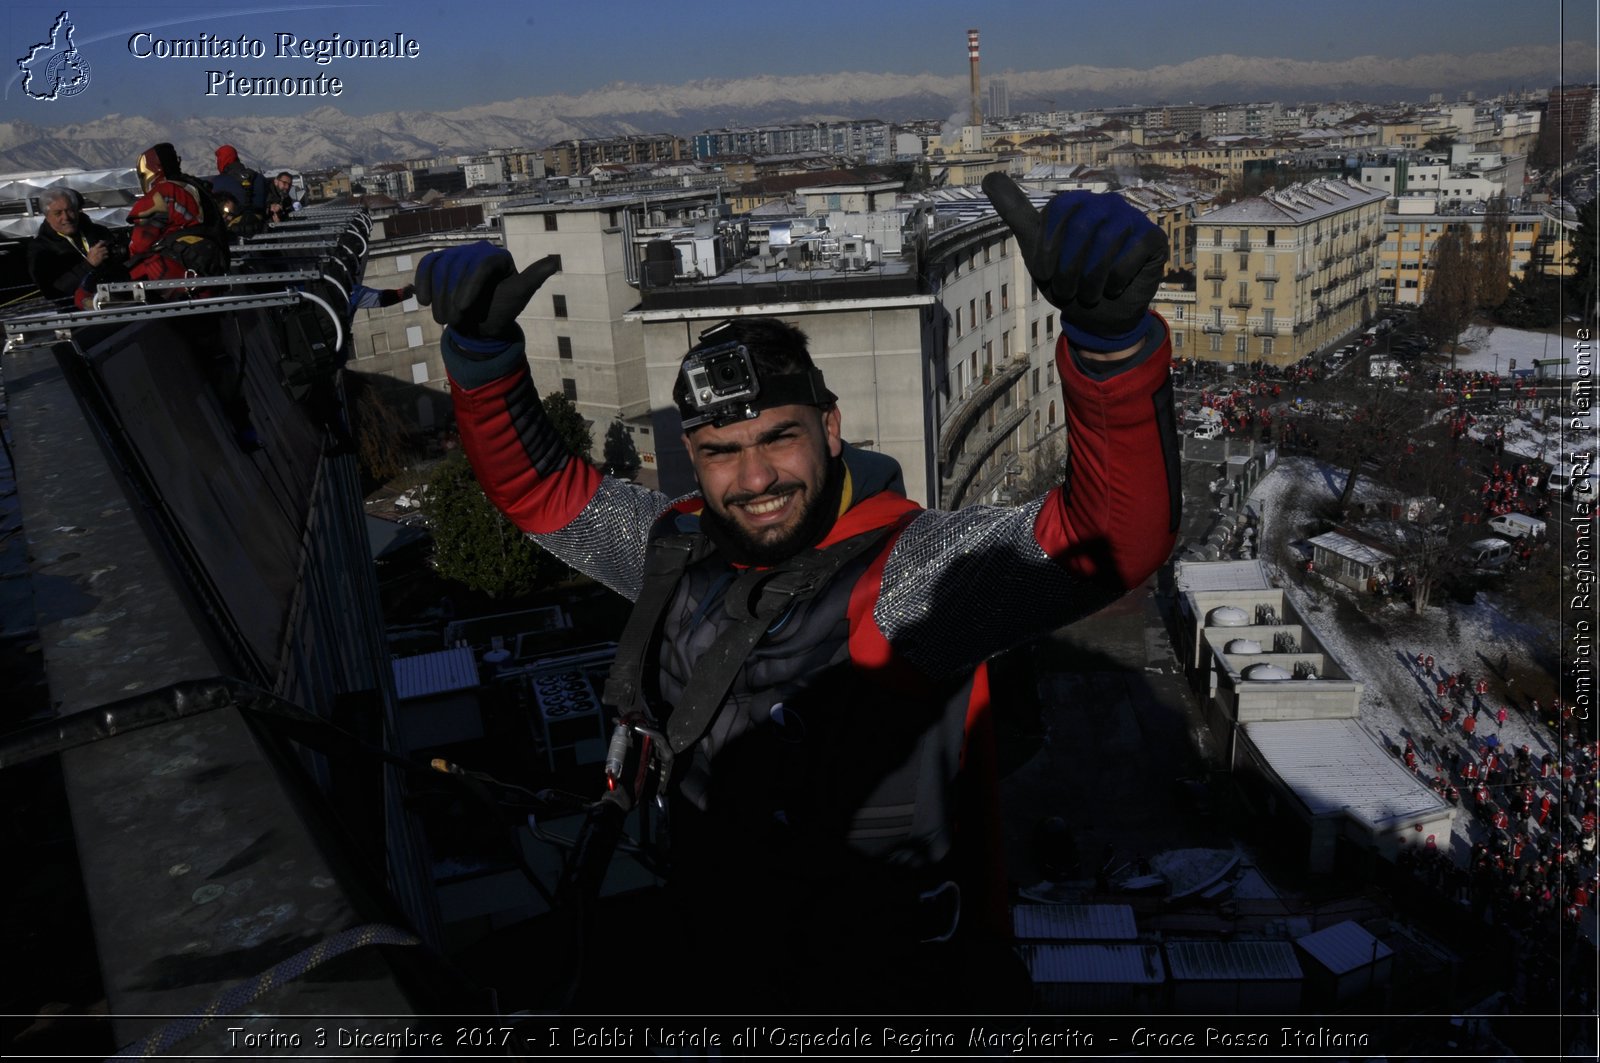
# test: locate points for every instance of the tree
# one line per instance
(473, 543)
(1439, 143)
(1428, 548)
(1491, 256)
(1451, 295)
(570, 425)
(1049, 466)
(1380, 421)
(383, 445)
(1581, 259)
(620, 455)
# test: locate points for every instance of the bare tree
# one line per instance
(1492, 256)
(1376, 421)
(1451, 295)
(1443, 490)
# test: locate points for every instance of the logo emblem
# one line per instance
(55, 69)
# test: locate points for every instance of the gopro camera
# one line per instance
(722, 384)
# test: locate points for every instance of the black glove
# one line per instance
(477, 292)
(1095, 256)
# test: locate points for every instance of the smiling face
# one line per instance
(62, 216)
(765, 479)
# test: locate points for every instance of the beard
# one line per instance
(817, 513)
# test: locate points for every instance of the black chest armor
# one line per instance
(807, 762)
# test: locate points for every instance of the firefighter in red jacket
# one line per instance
(832, 813)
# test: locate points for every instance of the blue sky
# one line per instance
(479, 51)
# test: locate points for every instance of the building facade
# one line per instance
(1282, 275)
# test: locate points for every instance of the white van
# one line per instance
(1518, 526)
(1487, 553)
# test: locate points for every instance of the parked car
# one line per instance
(1518, 526)
(1487, 553)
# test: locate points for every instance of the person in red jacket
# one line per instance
(833, 807)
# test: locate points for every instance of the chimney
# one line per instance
(972, 58)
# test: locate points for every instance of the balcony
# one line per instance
(978, 398)
(1213, 326)
(1215, 273)
(1265, 330)
(1240, 302)
(1268, 274)
(1241, 245)
(958, 478)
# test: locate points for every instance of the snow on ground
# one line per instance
(1396, 702)
(1530, 433)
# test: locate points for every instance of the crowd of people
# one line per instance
(180, 226)
(1531, 864)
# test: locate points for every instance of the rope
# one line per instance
(243, 994)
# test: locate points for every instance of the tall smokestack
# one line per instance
(972, 58)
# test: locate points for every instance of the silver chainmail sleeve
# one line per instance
(960, 586)
(607, 540)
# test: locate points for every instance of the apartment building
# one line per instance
(1281, 275)
(866, 139)
(1572, 117)
(1412, 226)
(571, 157)
(1466, 177)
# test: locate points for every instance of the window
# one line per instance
(1216, 239)
(1177, 313)
(1052, 413)
(1033, 334)
(1216, 261)
(557, 259)
(988, 305)
(958, 322)
(1005, 297)
(986, 254)
(1266, 317)
(419, 372)
(1269, 289)
(1266, 347)
(1239, 344)
(1216, 289)
(972, 312)
(1036, 381)
(414, 336)
(550, 222)
(564, 347)
(1033, 292)
(1049, 326)
(569, 388)
(1244, 261)
(558, 305)
(1005, 346)
(1272, 238)
(1216, 341)
(1177, 341)
(1216, 316)
(1050, 374)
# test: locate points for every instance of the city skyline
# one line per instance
(621, 54)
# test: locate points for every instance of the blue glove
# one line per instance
(477, 293)
(1095, 256)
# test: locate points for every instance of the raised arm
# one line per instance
(960, 586)
(597, 524)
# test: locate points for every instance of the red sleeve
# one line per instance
(519, 460)
(1115, 517)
